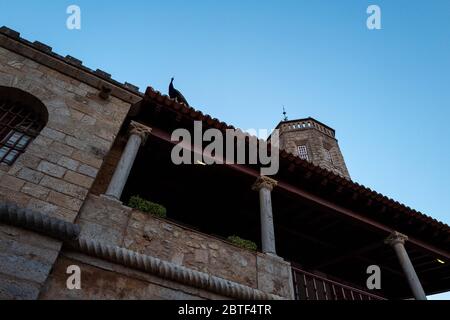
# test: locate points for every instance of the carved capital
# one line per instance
(396, 237)
(140, 130)
(264, 182)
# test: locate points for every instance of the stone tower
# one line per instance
(313, 141)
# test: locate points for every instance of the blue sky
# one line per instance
(386, 92)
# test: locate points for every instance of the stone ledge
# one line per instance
(170, 271)
(275, 275)
(118, 204)
(69, 232)
(110, 281)
(35, 221)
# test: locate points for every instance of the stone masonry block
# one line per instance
(52, 210)
(274, 275)
(87, 158)
(24, 267)
(35, 191)
(19, 198)
(30, 175)
(52, 169)
(62, 148)
(12, 288)
(68, 163)
(79, 179)
(100, 233)
(10, 182)
(64, 201)
(88, 170)
(64, 187)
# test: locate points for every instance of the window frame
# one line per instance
(22, 117)
(329, 156)
(303, 153)
(13, 147)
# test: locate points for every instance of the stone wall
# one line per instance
(58, 168)
(108, 221)
(317, 144)
(108, 281)
(26, 259)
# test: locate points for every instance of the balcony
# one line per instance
(309, 286)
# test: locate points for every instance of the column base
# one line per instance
(274, 256)
(112, 198)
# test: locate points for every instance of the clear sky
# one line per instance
(386, 92)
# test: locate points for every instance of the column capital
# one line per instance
(396, 237)
(141, 130)
(264, 182)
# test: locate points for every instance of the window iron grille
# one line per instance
(303, 153)
(19, 125)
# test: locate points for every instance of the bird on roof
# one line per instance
(175, 94)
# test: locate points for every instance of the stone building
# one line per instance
(75, 146)
(313, 141)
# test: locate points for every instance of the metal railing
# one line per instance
(309, 286)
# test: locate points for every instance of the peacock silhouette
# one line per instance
(175, 94)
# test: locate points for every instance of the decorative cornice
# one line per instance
(32, 220)
(141, 130)
(264, 182)
(69, 232)
(169, 271)
(396, 237)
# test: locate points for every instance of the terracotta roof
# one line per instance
(340, 181)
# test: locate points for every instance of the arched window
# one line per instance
(22, 117)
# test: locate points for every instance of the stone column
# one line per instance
(138, 137)
(397, 241)
(264, 186)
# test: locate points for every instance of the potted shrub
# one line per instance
(242, 243)
(138, 203)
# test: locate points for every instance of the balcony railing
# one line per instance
(309, 286)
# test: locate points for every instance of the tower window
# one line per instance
(328, 156)
(303, 153)
(22, 117)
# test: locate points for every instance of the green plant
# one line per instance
(245, 244)
(136, 202)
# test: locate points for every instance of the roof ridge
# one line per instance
(349, 183)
